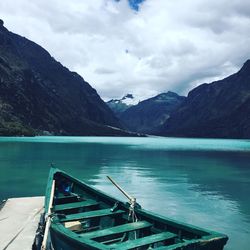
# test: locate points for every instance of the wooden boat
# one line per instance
(81, 217)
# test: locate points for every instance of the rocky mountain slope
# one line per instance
(219, 109)
(38, 95)
(118, 106)
(147, 116)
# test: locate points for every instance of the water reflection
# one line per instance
(202, 182)
(180, 199)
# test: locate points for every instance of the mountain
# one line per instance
(118, 106)
(219, 109)
(148, 115)
(40, 96)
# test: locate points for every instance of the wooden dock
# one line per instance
(19, 220)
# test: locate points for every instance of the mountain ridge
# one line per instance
(218, 109)
(120, 105)
(38, 94)
(149, 114)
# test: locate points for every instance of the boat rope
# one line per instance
(132, 213)
(132, 201)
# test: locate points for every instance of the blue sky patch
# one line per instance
(134, 4)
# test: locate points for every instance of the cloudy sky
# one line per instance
(140, 47)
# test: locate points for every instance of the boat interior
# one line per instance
(101, 222)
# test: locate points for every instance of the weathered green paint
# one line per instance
(148, 240)
(48, 188)
(205, 241)
(118, 229)
(73, 205)
(61, 230)
(92, 214)
(153, 228)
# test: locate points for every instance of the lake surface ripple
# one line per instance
(205, 182)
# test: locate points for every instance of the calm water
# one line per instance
(203, 182)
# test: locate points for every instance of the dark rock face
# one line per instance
(118, 106)
(148, 115)
(38, 94)
(219, 109)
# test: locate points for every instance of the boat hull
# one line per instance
(83, 217)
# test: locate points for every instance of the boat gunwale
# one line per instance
(203, 233)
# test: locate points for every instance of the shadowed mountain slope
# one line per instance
(219, 109)
(38, 95)
(147, 116)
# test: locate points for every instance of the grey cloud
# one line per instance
(104, 71)
(173, 45)
(219, 16)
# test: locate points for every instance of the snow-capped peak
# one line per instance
(129, 99)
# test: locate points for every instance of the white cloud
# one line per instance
(167, 45)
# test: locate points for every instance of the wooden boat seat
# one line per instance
(79, 204)
(91, 214)
(147, 240)
(117, 229)
(62, 199)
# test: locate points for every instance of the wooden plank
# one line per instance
(206, 240)
(179, 246)
(61, 195)
(73, 205)
(66, 199)
(91, 214)
(48, 219)
(117, 229)
(112, 241)
(58, 228)
(144, 241)
(19, 219)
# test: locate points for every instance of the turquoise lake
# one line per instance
(205, 182)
